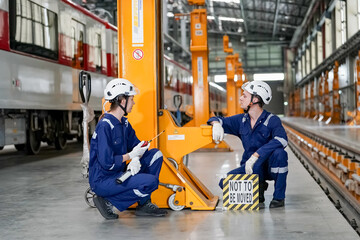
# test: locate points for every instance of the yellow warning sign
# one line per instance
(241, 192)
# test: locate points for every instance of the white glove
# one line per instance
(249, 164)
(138, 151)
(134, 166)
(217, 132)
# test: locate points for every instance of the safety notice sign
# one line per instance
(241, 192)
(138, 54)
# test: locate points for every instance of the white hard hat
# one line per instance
(260, 88)
(119, 86)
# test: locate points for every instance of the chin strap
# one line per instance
(124, 108)
(251, 104)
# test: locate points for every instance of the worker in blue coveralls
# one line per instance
(113, 143)
(263, 138)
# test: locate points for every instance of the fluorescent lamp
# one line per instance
(217, 86)
(220, 78)
(227, 1)
(230, 19)
(269, 76)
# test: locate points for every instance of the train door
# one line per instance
(77, 48)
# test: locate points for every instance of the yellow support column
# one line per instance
(239, 73)
(336, 96)
(326, 102)
(312, 100)
(357, 116)
(140, 44)
(320, 97)
(230, 74)
(138, 49)
(199, 58)
(230, 85)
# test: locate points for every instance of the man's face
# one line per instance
(245, 99)
(130, 103)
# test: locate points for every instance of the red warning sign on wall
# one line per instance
(138, 54)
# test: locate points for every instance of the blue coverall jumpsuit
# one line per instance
(268, 139)
(110, 141)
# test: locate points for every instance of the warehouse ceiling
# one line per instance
(248, 23)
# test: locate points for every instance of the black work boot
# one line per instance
(262, 188)
(149, 209)
(105, 208)
(275, 203)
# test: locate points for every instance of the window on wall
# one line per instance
(33, 29)
(264, 56)
(343, 21)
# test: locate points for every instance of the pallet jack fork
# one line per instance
(182, 188)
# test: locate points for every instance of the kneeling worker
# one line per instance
(112, 144)
(263, 138)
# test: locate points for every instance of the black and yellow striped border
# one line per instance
(254, 178)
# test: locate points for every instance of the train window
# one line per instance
(73, 45)
(98, 52)
(77, 44)
(116, 55)
(33, 29)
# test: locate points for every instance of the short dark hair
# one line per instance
(114, 102)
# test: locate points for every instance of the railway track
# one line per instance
(333, 165)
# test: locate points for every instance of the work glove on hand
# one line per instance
(217, 132)
(138, 151)
(249, 164)
(134, 166)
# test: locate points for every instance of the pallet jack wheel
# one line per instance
(89, 197)
(172, 205)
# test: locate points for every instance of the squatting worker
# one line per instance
(263, 138)
(113, 143)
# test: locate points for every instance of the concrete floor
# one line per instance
(45, 200)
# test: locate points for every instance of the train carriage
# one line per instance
(44, 44)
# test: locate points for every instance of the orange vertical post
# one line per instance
(335, 116)
(230, 74)
(312, 100)
(230, 85)
(307, 109)
(327, 108)
(320, 97)
(139, 44)
(239, 73)
(357, 116)
(199, 52)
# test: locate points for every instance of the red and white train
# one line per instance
(44, 44)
